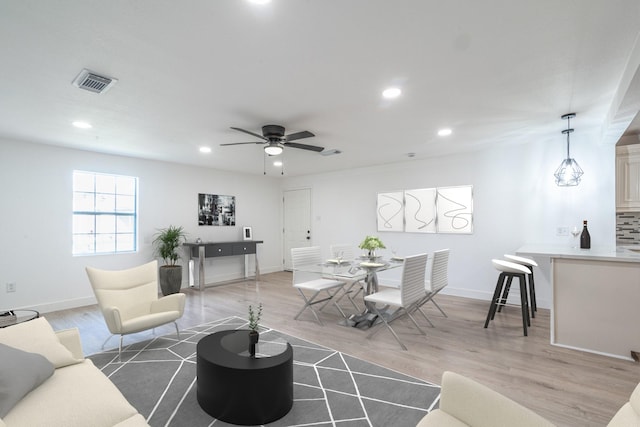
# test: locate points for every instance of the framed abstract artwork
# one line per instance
(215, 209)
(420, 210)
(455, 209)
(389, 211)
(427, 210)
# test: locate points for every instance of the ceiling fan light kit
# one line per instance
(273, 149)
(569, 172)
(275, 140)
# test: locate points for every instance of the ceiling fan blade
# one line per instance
(304, 146)
(299, 135)
(250, 133)
(242, 143)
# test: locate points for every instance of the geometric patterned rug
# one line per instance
(158, 377)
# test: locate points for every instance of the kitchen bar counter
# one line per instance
(595, 298)
(619, 254)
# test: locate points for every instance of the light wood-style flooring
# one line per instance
(568, 387)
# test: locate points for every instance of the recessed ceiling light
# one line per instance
(445, 132)
(277, 163)
(260, 1)
(392, 92)
(82, 125)
(205, 149)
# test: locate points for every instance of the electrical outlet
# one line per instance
(562, 231)
(11, 287)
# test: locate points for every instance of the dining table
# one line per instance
(361, 268)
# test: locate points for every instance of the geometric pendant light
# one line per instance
(569, 172)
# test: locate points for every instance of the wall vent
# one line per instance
(88, 80)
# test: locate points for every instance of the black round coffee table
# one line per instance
(239, 389)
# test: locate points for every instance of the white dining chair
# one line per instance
(405, 298)
(438, 280)
(308, 280)
(356, 284)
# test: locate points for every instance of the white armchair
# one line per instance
(129, 300)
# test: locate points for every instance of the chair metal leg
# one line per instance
(105, 341)
(177, 331)
(439, 308)
(347, 293)
(425, 316)
(416, 323)
(307, 304)
(380, 316)
(331, 298)
(120, 348)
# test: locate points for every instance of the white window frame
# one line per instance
(91, 209)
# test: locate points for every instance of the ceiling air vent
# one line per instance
(88, 80)
(330, 152)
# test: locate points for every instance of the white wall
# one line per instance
(36, 220)
(515, 202)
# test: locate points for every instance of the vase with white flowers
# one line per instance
(370, 244)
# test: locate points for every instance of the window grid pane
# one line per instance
(104, 213)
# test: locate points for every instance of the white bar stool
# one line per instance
(508, 270)
(529, 263)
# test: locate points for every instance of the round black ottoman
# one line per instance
(239, 389)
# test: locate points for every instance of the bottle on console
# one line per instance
(585, 238)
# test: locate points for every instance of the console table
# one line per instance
(220, 249)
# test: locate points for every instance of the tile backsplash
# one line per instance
(628, 228)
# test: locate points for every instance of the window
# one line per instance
(105, 213)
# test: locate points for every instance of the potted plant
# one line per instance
(254, 324)
(370, 244)
(166, 244)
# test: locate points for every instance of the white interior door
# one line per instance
(297, 222)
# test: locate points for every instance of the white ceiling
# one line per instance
(495, 71)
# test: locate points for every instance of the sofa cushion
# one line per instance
(79, 395)
(37, 336)
(20, 372)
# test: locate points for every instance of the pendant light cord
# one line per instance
(568, 132)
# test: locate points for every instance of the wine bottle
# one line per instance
(585, 238)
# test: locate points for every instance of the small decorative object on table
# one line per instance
(254, 334)
(371, 243)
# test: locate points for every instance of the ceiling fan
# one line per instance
(275, 140)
